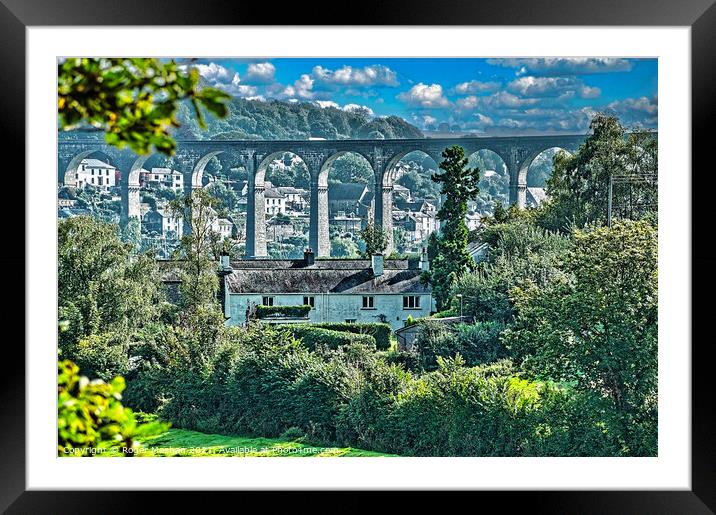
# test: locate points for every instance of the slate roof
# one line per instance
(349, 276)
(91, 162)
(346, 191)
(297, 280)
(272, 193)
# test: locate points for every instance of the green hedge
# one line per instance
(313, 337)
(265, 382)
(381, 332)
(287, 311)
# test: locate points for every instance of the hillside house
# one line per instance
(96, 173)
(345, 290)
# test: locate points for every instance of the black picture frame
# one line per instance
(700, 15)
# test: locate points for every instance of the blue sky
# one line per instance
(484, 96)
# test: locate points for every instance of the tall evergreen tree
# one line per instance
(459, 184)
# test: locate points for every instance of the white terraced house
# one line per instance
(345, 290)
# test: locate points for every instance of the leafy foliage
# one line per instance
(476, 343)
(91, 418)
(381, 332)
(600, 328)
(273, 119)
(520, 254)
(265, 382)
(133, 100)
(105, 294)
(314, 337)
(579, 185)
(375, 239)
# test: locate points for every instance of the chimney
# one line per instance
(424, 261)
(376, 262)
(225, 262)
(308, 257)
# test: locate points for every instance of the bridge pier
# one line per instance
(255, 213)
(518, 194)
(384, 213)
(319, 236)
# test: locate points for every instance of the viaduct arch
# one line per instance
(192, 157)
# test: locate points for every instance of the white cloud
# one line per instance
(260, 73)
(374, 75)
(303, 87)
(565, 65)
(327, 103)
(641, 104)
(216, 73)
(643, 110)
(467, 103)
(241, 90)
(505, 100)
(531, 86)
(225, 79)
(429, 120)
(422, 95)
(476, 86)
(483, 120)
(589, 92)
(355, 107)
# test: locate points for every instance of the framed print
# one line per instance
(429, 249)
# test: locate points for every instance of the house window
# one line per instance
(351, 320)
(267, 301)
(368, 302)
(309, 300)
(411, 302)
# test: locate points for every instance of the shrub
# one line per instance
(90, 415)
(381, 332)
(263, 381)
(314, 336)
(286, 311)
(477, 343)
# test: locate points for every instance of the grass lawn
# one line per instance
(182, 442)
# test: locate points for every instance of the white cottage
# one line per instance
(338, 290)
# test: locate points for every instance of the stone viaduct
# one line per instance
(318, 155)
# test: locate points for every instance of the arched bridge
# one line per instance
(318, 155)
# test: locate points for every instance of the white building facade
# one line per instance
(162, 177)
(348, 291)
(275, 202)
(96, 173)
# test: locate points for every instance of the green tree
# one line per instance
(344, 247)
(459, 184)
(351, 167)
(598, 327)
(105, 294)
(132, 234)
(133, 101)
(375, 239)
(227, 199)
(200, 319)
(579, 185)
